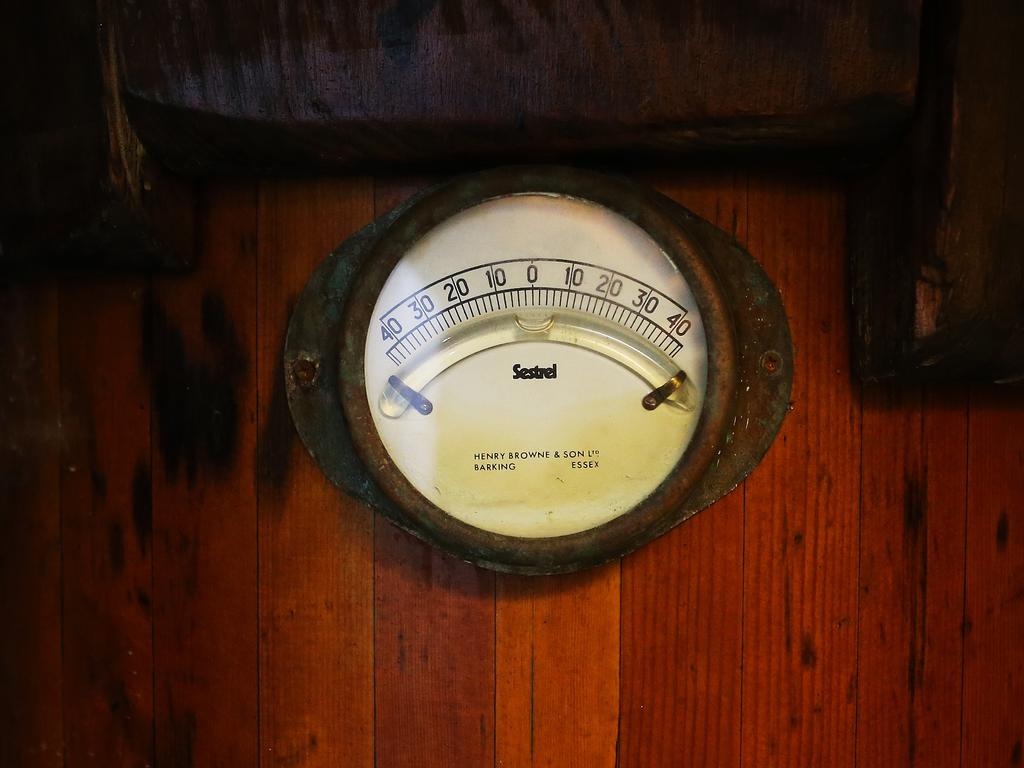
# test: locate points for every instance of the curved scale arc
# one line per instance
(570, 327)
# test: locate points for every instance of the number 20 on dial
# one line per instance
(539, 369)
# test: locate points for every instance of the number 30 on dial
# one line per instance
(538, 369)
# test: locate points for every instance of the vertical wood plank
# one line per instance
(315, 545)
(558, 669)
(515, 672)
(434, 641)
(939, 706)
(31, 723)
(993, 721)
(682, 643)
(434, 638)
(800, 537)
(682, 597)
(107, 522)
(202, 358)
(911, 576)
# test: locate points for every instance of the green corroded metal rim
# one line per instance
(749, 371)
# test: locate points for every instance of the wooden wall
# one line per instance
(181, 587)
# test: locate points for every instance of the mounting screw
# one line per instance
(771, 362)
(304, 372)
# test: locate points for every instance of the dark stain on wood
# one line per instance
(511, 40)
(142, 505)
(1002, 532)
(181, 673)
(546, 9)
(115, 540)
(188, 549)
(453, 16)
(219, 330)
(194, 391)
(118, 701)
(915, 537)
(183, 740)
(913, 506)
(787, 610)
(99, 484)
(398, 27)
(889, 27)
(100, 670)
(299, 753)
(808, 655)
(277, 434)
(132, 721)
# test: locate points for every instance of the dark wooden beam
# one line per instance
(937, 230)
(286, 86)
(78, 192)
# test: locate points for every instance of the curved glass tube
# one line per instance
(562, 326)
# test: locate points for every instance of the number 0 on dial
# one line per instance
(538, 369)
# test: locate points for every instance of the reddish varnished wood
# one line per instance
(800, 537)
(993, 667)
(106, 511)
(580, 670)
(682, 598)
(557, 666)
(939, 704)
(682, 642)
(202, 368)
(433, 637)
(31, 722)
(315, 545)
(914, 476)
(434, 656)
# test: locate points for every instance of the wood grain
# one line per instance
(913, 513)
(993, 666)
(78, 192)
(315, 545)
(936, 228)
(682, 638)
(744, 636)
(107, 523)
(434, 660)
(320, 85)
(682, 596)
(201, 360)
(800, 537)
(31, 721)
(557, 668)
(433, 635)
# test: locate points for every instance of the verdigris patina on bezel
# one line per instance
(748, 384)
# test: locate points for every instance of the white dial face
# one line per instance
(536, 365)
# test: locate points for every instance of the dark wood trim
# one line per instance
(936, 230)
(78, 191)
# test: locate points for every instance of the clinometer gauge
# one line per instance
(538, 369)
